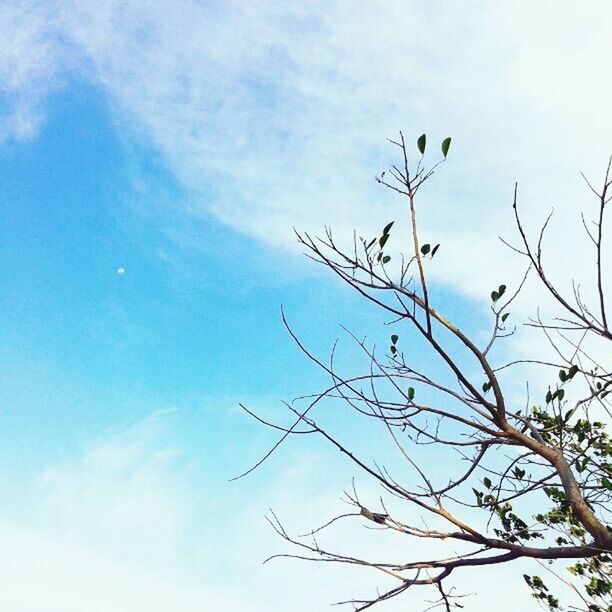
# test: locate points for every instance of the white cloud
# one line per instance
(274, 116)
(134, 524)
(106, 532)
(30, 59)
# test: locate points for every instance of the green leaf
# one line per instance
(446, 146)
(411, 393)
(486, 386)
(519, 473)
(562, 375)
(393, 349)
(422, 140)
(386, 259)
(572, 371)
(388, 227)
(560, 393)
(504, 317)
(548, 397)
(394, 338)
(487, 482)
(495, 295)
(425, 249)
(606, 484)
(433, 251)
(369, 245)
(383, 240)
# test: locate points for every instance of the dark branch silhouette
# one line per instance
(540, 475)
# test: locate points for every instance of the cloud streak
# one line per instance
(132, 523)
(275, 117)
(271, 115)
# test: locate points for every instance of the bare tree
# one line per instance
(538, 479)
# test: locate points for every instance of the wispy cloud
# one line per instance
(133, 523)
(30, 62)
(275, 116)
(272, 115)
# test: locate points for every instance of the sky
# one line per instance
(154, 160)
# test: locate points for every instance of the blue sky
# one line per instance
(182, 142)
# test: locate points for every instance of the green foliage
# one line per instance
(513, 528)
(421, 142)
(446, 146)
(540, 592)
(543, 477)
(495, 295)
(393, 348)
(591, 449)
(388, 227)
(381, 242)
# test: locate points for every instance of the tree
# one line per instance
(530, 482)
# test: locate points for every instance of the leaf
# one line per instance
(606, 484)
(548, 397)
(422, 140)
(572, 371)
(394, 338)
(386, 259)
(425, 249)
(562, 375)
(433, 251)
(504, 317)
(393, 349)
(410, 393)
(487, 482)
(519, 473)
(495, 295)
(486, 386)
(560, 393)
(370, 243)
(383, 240)
(388, 227)
(446, 146)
